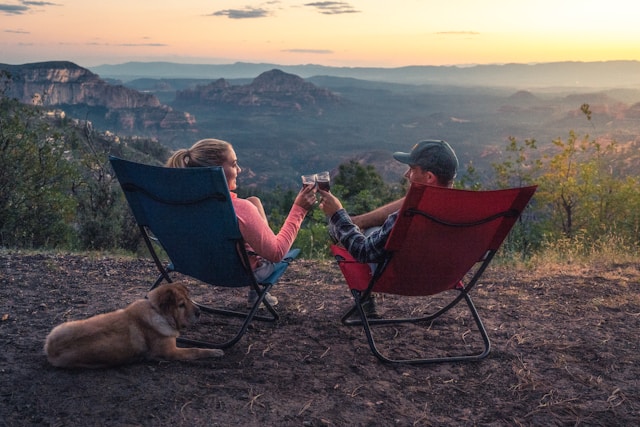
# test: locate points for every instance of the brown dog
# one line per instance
(146, 329)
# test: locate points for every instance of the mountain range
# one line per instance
(607, 74)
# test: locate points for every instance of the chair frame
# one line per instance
(361, 296)
(260, 288)
(154, 246)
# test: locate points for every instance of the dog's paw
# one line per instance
(216, 353)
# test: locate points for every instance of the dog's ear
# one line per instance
(167, 299)
(173, 302)
(164, 300)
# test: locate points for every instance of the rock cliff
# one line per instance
(65, 85)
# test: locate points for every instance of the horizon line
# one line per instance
(461, 65)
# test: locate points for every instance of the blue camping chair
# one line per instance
(188, 213)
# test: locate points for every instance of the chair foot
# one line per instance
(252, 297)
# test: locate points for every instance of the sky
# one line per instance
(352, 33)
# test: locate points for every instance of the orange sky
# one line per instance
(351, 33)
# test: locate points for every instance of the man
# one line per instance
(430, 162)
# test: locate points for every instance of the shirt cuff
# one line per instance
(338, 216)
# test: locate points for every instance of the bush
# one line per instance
(36, 206)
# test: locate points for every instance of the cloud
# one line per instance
(246, 13)
(458, 33)
(13, 9)
(128, 44)
(315, 51)
(142, 44)
(333, 7)
(39, 3)
(23, 7)
(17, 31)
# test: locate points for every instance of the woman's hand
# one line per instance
(330, 203)
(306, 198)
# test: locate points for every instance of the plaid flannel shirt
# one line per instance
(363, 248)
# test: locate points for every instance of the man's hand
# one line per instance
(330, 203)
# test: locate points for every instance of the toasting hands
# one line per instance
(330, 203)
(306, 198)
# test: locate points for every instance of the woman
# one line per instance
(252, 220)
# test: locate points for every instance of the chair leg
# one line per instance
(248, 316)
(367, 326)
(271, 314)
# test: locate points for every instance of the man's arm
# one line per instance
(363, 248)
(378, 216)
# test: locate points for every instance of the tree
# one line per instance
(56, 189)
(588, 202)
(361, 188)
(36, 207)
(469, 179)
(103, 219)
(520, 166)
(579, 185)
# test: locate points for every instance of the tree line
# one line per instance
(57, 190)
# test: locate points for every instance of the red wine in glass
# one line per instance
(324, 185)
(322, 179)
(308, 180)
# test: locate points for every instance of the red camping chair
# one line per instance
(443, 240)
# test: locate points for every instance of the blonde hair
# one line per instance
(206, 152)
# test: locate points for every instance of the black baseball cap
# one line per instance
(432, 155)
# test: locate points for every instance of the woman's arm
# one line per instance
(256, 231)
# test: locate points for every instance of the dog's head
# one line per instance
(173, 302)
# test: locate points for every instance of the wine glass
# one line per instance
(323, 181)
(309, 180)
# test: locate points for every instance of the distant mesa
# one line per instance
(271, 89)
(523, 97)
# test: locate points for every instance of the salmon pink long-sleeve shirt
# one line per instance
(259, 236)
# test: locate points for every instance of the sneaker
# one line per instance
(252, 297)
(369, 307)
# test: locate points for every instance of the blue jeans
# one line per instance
(367, 232)
(263, 270)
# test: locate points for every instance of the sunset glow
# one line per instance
(335, 33)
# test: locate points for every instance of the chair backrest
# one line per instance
(441, 233)
(189, 211)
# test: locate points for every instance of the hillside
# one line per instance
(565, 352)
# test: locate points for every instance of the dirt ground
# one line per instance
(565, 351)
